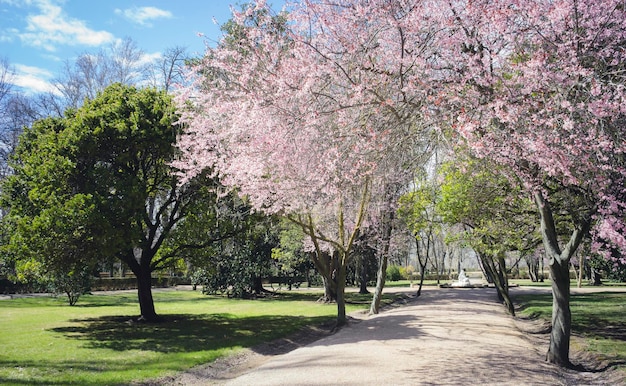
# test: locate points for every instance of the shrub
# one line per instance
(395, 273)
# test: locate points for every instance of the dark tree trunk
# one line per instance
(341, 292)
(330, 294)
(422, 264)
(324, 263)
(561, 315)
(421, 283)
(363, 275)
(504, 286)
(143, 272)
(595, 278)
(144, 291)
(533, 268)
(257, 285)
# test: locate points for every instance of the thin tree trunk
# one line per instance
(382, 266)
(422, 266)
(381, 276)
(341, 295)
(581, 269)
(504, 280)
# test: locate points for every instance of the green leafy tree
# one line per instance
(97, 184)
(496, 217)
(292, 261)
(241, 256)
(417, 209)
(48, 232)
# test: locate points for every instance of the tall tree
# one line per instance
(540, 88)
(306, 125)
(107, 162)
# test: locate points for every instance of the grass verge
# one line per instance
(46, 342)
(599, 318)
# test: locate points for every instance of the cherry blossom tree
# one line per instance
(307, 115)
(539, 86)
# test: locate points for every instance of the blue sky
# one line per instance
(38, 36)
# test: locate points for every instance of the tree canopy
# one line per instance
(330, 109)
(97, 184)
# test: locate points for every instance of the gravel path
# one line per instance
(444, 337)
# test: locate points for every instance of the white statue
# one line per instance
(462, 281)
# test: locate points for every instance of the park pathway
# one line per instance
(444, 337)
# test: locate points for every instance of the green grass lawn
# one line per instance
(44, 341)
(599, 318)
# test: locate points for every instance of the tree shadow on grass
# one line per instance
(183, 333)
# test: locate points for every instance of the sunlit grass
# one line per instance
(45, 341)
(600, 318)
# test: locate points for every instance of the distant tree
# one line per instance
(16, 112)
(495, 216)
(49, 229)
(290, 256)
(417, 212)
(90, 73)
(234, 254)
(169, 70)
(6, 73)
(97, 184)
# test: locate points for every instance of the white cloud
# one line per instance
(8, 35)
(150, 59)
(51, 27)
(33, 79)
(143, 15)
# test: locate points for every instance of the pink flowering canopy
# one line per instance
(541, 88)
(306, 110)
(311, 111)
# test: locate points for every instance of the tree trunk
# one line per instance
(504, 282)
(381, 276)
(330, 293)
(559, 259)
(581, 270)
(595, 279)
(498, 274)
(144, 291)
(533, 268)
(363, 274)
(341, 298)
(422, 265)
(561, 315)
(257, 285)
(142, 271)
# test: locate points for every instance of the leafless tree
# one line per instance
(122, 62)
(169, 70)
